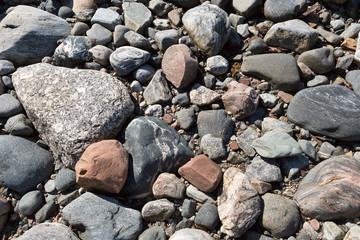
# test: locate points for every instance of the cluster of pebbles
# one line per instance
(180, 119)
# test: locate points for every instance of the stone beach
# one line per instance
(180, 119)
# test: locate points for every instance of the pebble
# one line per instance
(331, 231)
(331, 37)
(308, 149)
(167, 185)
(353, 233)
(325, 151)
(279, 11)
(155, 110)
(10, 106)
(74, 50)
(188, 208)
(202, 96)
(291, 166)
(247, 8)
(19, 125)
(154, 233)
(319, 60)
(258, 46)
(107, 18)
(351, 32)
(157, 210)
(243, 30)
(144, 73)
(101, 54)
(353, 78)
(337, 24)
(217, 65)
(190, 234)
(213, 147)
(79, 29)
(65, 178)
(344, 63)
(137, 16)
(186, 118)
(198, 195)
(50, 230)
(157, 91)
(267, 170)
(317, 81)
(46, 211)
(245, 140)
(6, 67)
(30, 202)
(268, 100)
(159, 7)
(207, 216)
(269, 124)
(119, 35)
(99, 35)
(137, 40)
(4, 212)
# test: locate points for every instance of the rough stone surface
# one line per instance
(320, 60)
(245, 139)
(72, 51)
(209, 28)
(267, 170)
(329, 110)
(28, 34)
(154, 148)
(213, 147)
(207, 216)
(269, 124)
(330, 190)
(72, 108)
(239, 205)
(191, 234)
(167, 185)
(45, 231)
(153, 233)
(137, 16)
(279, 69)
(107, 18)
(279, 11)
(157, 91)
(202, 96)
(103, 167)
(217, 65)
(157, 210)
(100, 217)
(23, 164)
(353, 78)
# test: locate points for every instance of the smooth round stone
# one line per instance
(188, 208)
(65, 178)
(144, 73)
(107, 18)
(317, 81)
(99, 35)
(153, 233)
(207, 216)
(101, 54)
(19, 125)
(136, 86)
(9, 106)
(247, 8)
(157, 210)
(65, 12)
(353, 78)
(330, 110)
(119, 35)
(6, 67)
(258, 46)
(217, 65)
(79, 29)
(137, 40)
(320, 60)
(279, 11)
(167, 185)
(191, 234)
(31, 202)
(54, 231)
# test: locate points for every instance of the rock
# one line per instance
(28, 34)
(243, 30)
(207, 216)
(49, 231)
(137, 16)
(247, 8)
(239, 205)
(190, 234)
(331, 231)
(6, 67)
(326, 185)
(65, 178)
(24, 164)
(329, 110)
(162, 24)
(46, 211)
(103, 167)
(337, 24)
(213, 147)
(157, 91)
(260, 186)
(344, 63)
(175, 17)
(65, 109)
(240, 100)
(329, 36)
(198, 195)
(188, 208)
(215, 122)
(280, 70)
(186, 118)
(353, 78)
(167, 185)
(202, 96)
(137, 40)
(157, 210)
(179, 65)
(154, 233)
(250, 235)
(202, 172)
(320, 60)
(326, 150)
(269, 124)
(119, 35)
(280, 216)
(159, 7)
(291, 166)
(4, 212)
(10, 106)
(351, 32)
(209, 28)
(65, 12)
(30, 202)
(79, 29)
(258, 46)
(126, 59)
(154, 148)
(267, 170)
(317, 81)
(100, 217)
(106, 18)
(245, 139)
(144, 73)
(101, 54)
(276, 144)
(155, 110)
(166, 38)
(308, 149)
(80, 5)
(280, 11)
(353, 233)
(293, 34)
(74, 50)
(217, 65)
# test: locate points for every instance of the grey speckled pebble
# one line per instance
(186, 118)
(30, 202)
(267, 170)
(107, 18)
(213, 147)
(191, 234)
(207, 216)
(19, 125)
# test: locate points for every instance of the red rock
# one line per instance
(168, 118)
(234, 146)
(245, 81)
(202, 172)
(103, 167)
(167, 185)
(315, 224)
(261, 186)
(240, 100)
(179, 65)
(349, 44)
(286, 97)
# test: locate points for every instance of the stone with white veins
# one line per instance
(72, 51)
(137, 16)
(209, 28)
(72, 108)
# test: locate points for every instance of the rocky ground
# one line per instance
(180, 120)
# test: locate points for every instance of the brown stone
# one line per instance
(285, 97)
(245, 81)
(261, 186)
(315, 224)
(240, 100)
(202, 172)
(175, 17)
(168, 118)
(349, 44)
(103, 167)
(234, 146)
(179, 65)
(167, 185)
(202, 96)
(80, 5)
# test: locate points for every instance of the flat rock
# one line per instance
(28, 34)
(239, 205)
(67, 111)
(30, 202)
(202, 96)
(245, 139)
(280, 11)
(191, 234)
(157, 91)
(100, 217)
(137, 16)
(168, 185)
(279, 69)
(24, 164)
(269, 124)
(209, 28)
(198, 195)
(320, 60)
(331, 37)
(330, 110)
(107, 18)
(293, 34)
(154, 148)
(45, 231)
(267, 170)
(330, 190)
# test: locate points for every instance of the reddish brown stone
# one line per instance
(202, 172)
(234, 146)
(349, 44)
(286, 97)
(168, 118)
(260, 186)
(245, 81)
(103, 167)
(315, 224)
(240, 100)
(179, 65)
(167, 185)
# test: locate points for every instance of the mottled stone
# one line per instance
(202, 96)
(279, 11)
(157, 91)
(6, 67)
(44, 231)
(167, 185)
(101, 54)
(107, 18)
(269, 124)
(157, 210)
(267, 170)
(245, 139)
(137, 16)
(72, 108)
(330, 190)
(74, 50)
(213, 147)
(207, 216)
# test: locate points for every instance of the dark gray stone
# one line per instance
(164, 39)
(4, 212)
(251, 235)
(119, 35)
(137, 40)
(320, 60)
(186, 118)
(100, 217)
(344, 63)
(65, 178)
(46, 211)
(45, 231)
(213, 147)
(267, 170)
(331, 37)
(154, 148)
(291, 166)
(308, 149)
(10, 106)
(188, 208)
(330, 110)
(153, 233)
(157, 91)
(28, 34)
(23, 164)
(279, 11)
(99, 35)
(318, 81)
(144, 73)
(207, 216)
(353, 78)
(79, 29)
(245, 140)
(352, 31)
(279, 69)
(72, 51)
(31, 202)
(106, 18)
(6, 67)
(352, 8)
(258, 46)
(19, 125)
(65, 12)
(186, 3)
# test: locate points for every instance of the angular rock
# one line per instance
(217, 65)
(280, 11)
(191, 234)
(329, 36)
(137, 40)
(320, 60)
(23, 164)
(351, 32)
(267, 170)
(6, 67)
(74, 50)
(154, 233)
(329, 110)
(353, 78)
(209, 28)
(331, 231)
(280, 70)
(107, 18)
(198, 195)
(167, 185)
(101, 54)
(157, 210)
(137, 16)
(202, 172)
(100, 217)
(186, 118)
(119, 35)
(50, 230)
(293, 34)
(239, 205)
(99, 35)
(65, 178)
(19, 125)
(166, 38)
(213, 147)
(154, 148)
(157, 91)
(10, 106)
(247, 8)
(28, 34)
(245, 139)
(291, 166)
(46, 211)
(67, 111)
(269, 124)
(240, 100)
(202, 96)
(330, 190)
(179, 65)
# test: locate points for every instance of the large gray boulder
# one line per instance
(28, 34)
(72, 108)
